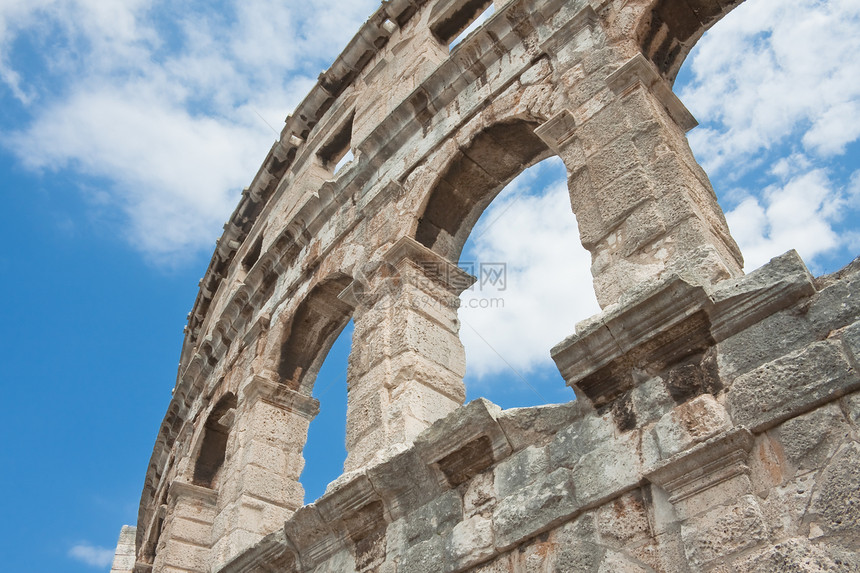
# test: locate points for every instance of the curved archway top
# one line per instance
(472, 179)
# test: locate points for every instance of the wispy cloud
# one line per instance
(162, 102)
(92, 555)
(531, 230)
(773, 70)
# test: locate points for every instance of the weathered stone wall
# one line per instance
(680, 356)
(728, 440)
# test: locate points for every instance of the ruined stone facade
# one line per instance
(716, 425)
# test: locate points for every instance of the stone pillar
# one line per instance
(643, 204)
(407, 365)
(260, 488)
(123, 558)
(184, 543)
(705, 495)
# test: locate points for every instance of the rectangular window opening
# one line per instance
(337, 152)
(456, 27)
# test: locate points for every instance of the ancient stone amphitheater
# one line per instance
(716, 425)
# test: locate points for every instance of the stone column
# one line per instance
(184, 542)
(643, 204)
(123, 559)
(407, 362)
(260, 487)
(706, 496)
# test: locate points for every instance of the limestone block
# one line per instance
(404, 482)
(852, 408)
(690, 423)
(624, 520)
(537, 425)
(808, 441)
(838, 304)
(573, 442)
(835, 506)
(191, 531)
(469, 543)
(424, 556)
(435, 518)
(480, 494)
(775, 335)
(271, 486)
(610, 468)
(464, 443)
(520, 470)
(651, 400)
(533, 510)
(124, 555)
(851, 337)
(791, 385)
(724, 531)
(785, 506)
(615, 562)
(578, 547)
(799, 556)
(185, 556)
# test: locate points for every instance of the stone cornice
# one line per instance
(704, 466)
(639, 70)
(672, 319)
(263, 389)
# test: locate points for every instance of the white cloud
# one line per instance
(798, 214)
(773, 70)
(162, 102)
(92, 555)
(549, 286)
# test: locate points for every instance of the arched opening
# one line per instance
(533, 286)
(672, 27)
(213, 447)
(472, 179)
(327, 432)
(316, 324)
(533, 273)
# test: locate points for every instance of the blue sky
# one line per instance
(128, 129)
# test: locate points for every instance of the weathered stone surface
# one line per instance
(724, 531)
(683, 339)
(835, 506)
(798, 556)
(469, 543)
(791, 385)
(690, 423)
(610, 468)
(520, 470)
(808, 441)
(573, 442)
(528, 512)
(535, 426)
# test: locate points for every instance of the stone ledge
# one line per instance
(703, 466)
(673, 319)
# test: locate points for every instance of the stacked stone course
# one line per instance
(716, 421)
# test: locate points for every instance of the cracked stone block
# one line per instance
(530, 511)
(791, 385)
(835, 506)
(520, 470)
(724, 531)
(690, 423)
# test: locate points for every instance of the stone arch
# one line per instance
(213, 445)
(668, 31)
(314, 327)
(472, 179)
